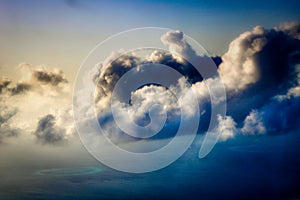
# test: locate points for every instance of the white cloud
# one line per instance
(260, 57)
(227, 127)
(253, 124)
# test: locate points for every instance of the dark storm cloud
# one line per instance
(37, 76)
(113, 72)
(217, 60)
(48, 77)
(4, 84)
(19, 88)
(105, 82)
(14, 89)
(47, 132)
(182, 66)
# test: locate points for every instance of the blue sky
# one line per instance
(43, 32)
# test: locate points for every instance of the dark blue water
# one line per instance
(265, 167)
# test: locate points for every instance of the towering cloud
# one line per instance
(260, 72)
(263, 59)
(259, 65)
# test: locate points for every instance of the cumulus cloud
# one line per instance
(46, 77)
(226, 127)
(262, 58)
(259, 65)
(278, 116)
(6, 128)
(114, 70)
(33, 95)
(176, 42)
(291, 28)
(260, 71)
(37, 79)
(14, 89)
(20, 88)
(47, 131)
(261, 74)
(253, 124)
(179, 98)
(3, 84)
(53, 129)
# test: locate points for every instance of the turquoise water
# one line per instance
(74, 171)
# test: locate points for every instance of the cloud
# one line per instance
(6, 128)
(176, 42)
(290, 28)
(35, 79)
(261, 74)
(253, 124)
(3, 84)
(114, 70)
(6, 85)
(227, 127)
(260, 71)
(262, 59)
(50, 129)
(47, 132)
(278, 116)
(46, 77)
(20, 88)
(38, 92)
(177, 98)
(259, 65)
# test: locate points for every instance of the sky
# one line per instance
(61, 33)
(231, 105)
